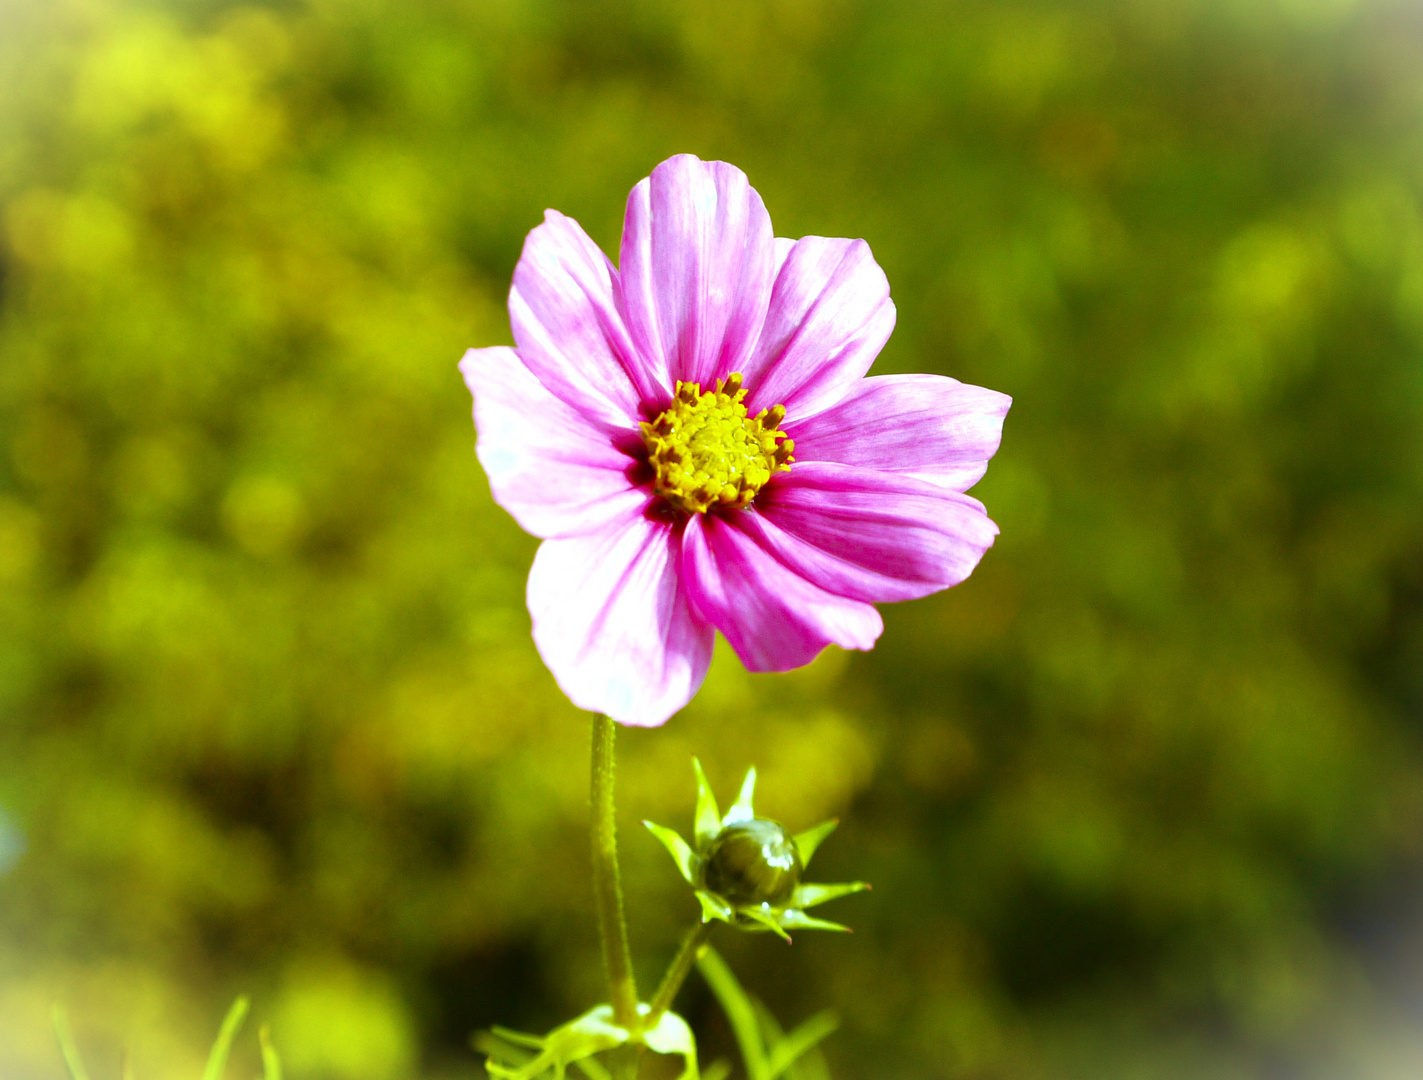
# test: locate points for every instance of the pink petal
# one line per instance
(927, 426)
(697, 263)
(783, 248)
(774, 618)
(829, 317)
(612, 622)
(868, 535)
(568, 329)
(557, 474)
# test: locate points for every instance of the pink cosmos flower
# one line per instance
(692, 435)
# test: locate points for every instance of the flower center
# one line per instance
(707, 452)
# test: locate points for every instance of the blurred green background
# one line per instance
(1144, 798)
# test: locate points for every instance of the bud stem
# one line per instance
(677, 972)
(607, 883)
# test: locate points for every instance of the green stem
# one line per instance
(607, 884)
(678, 970)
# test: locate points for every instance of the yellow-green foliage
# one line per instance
(270, 719)
(216, 1067)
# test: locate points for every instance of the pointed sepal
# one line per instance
(714, 907)
(708, 820)
(809, 895)
(808, 841)
(678, 848)
(741, 810)
(799, 920)
(766, 918)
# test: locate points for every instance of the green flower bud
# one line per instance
(752, 862)
(746, 870)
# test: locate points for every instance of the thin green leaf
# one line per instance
(811, 894)
(231, 1025)
(771, 1032)
(503, 1072)
(809, 1066)
(719, 1069)
(799, 920)
(790, 1049)
(67, 1047)
(741, 809)
(593, 1069)
(682, 855)
(708, 819)
(492, 1046)
(808, 841)
(739, 1009)
(271, 1061)
(518, 1038)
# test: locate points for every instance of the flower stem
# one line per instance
(678, 970)
(607, 884)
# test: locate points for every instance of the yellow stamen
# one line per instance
(707, 452)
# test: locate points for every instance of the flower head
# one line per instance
(745, 869)
(692, 435)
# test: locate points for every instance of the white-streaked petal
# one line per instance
(926, 426)
(830, 315)
(775, 619)
(696, 266)
(612, 621)
(869, 535)
(554, 472)
(569, 331)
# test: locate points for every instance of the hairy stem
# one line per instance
(607, 883)
(678, 970)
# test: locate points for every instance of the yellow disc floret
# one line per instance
(707, 452)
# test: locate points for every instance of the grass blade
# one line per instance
(67, 1047)
(231, 1025)
(800, 1041)
(271, 1063)
(740, 1011)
